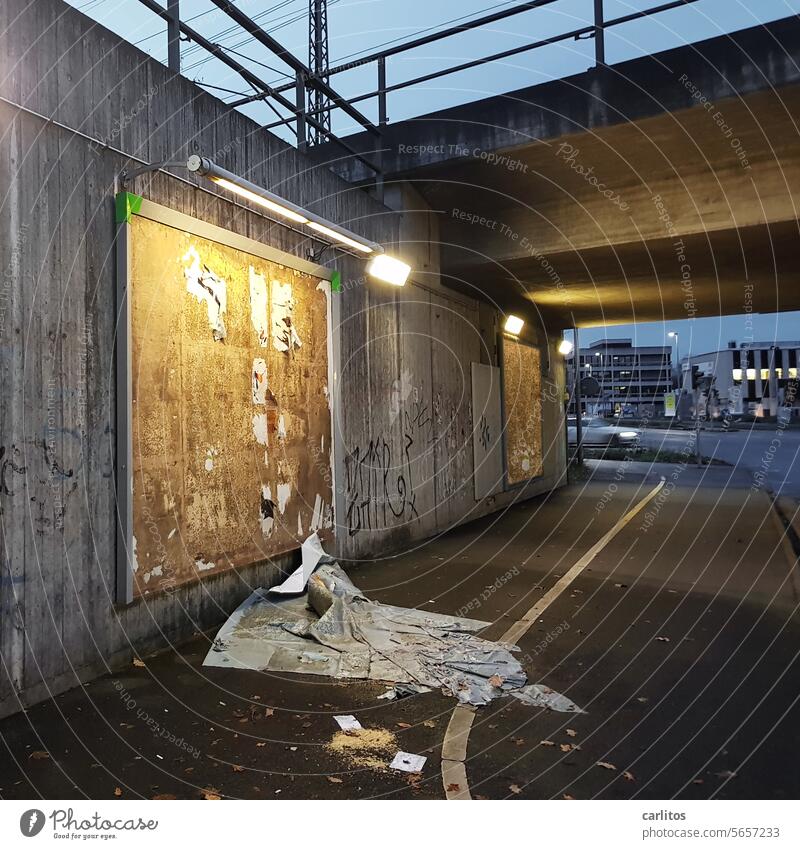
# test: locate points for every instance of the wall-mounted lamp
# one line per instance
(387, 268)
(565, 347)
(514, 325)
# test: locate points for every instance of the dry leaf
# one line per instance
(567, 796)
(117, 791)
(39, 755)
(628, 775)
(261, 745)
(726, 773)
(606, 765)
(663, 639)
(237, 768)
(546, 743)
(698, 781)
(453, 788)
(429, 723)
(515, 788)
(519, 741)
(269, 712)
(565, 747)
(402, 725)
(137, 662)
(211, 797)
(164, 796)
(334, 780)
(496, 681)
(571, 732)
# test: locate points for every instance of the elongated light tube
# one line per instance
(280, 206)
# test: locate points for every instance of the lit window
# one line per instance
(751, 374)
(737, 374)
(765, 374)
(793, 373)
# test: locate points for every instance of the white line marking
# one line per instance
(457, 733)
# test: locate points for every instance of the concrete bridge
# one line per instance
(659, 188)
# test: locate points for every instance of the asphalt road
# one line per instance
(679, 640)
(774, 453)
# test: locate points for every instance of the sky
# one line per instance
(358, 27)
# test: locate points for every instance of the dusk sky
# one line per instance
(361, 26)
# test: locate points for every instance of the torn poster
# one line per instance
(284, 335)
(334, 630)
(258, 306)
(311, 554)
(207, 287)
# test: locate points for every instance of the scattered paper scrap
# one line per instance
(407, 762)
(348, 723)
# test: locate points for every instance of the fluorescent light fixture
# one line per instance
(261, 201)
(736, 374)
(339, 237)
(280, 206)
(514, 325)
(388, 269)
(565, 347)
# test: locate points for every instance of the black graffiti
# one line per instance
(8, 464)
(485, 434)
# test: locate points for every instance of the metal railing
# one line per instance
(301, 117)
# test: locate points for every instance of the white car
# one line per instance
(602, 432)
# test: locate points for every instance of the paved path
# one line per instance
(680, 639)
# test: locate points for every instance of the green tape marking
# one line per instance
(336, 282)
(126, 204)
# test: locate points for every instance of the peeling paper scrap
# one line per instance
(348, 723)
(312, 553)
(284, 335)
(207, 287)
(537, 695)
(407, 762)
(258, 306)
(260, 383)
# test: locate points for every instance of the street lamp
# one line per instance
(673, 334)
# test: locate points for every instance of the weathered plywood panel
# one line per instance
(522, 406)
(487, 433)
(231, 423)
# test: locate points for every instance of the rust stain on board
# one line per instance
(213, 429)
(522, 392)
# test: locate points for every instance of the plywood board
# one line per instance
(522, 407)
(487, 440)
(231, 428)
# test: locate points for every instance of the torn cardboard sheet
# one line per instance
(347, 723)
(336, 631)
(407, 762)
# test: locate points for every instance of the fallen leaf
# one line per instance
(237, 768)
(163, 796)
(117, 791)
(515, 788)
(453, 788)
(663, 639)
(698, 781)
(496, 681)
(606, 765)
(571, 732)
(137, 662)
(402, 725)
(628, 776)
(334, 780)
(546, 743)
(726, 773)
(641, 699)
(211, 794)
(519, 741)
(269, 712)
(429, 723)
(39, 755)
(565, 747)
(261, 745)
(567, 796)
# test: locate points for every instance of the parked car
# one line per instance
(602, 432)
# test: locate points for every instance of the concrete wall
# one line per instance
(401, 356)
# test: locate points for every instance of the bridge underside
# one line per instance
(658, 219)
(661, 188)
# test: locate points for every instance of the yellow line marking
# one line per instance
(454, 745)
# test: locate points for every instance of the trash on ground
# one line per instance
(407, 762)
(336, 631)
(311, 554)
(347, 723)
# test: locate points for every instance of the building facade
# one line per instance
(630, 380)
(759, 379)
